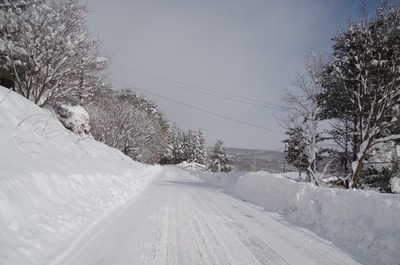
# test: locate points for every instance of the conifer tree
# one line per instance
(219, 158)
(174, 153)
(194, 146)
(295, 152)
(364, 73)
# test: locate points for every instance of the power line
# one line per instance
(197, 89)
(194, 107)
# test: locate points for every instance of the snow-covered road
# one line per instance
(179, 220)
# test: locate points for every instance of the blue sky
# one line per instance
(217, 65)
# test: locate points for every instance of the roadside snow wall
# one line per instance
(220, 179)
(54, 184)
(364, 223)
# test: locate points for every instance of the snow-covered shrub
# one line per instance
(74, 118)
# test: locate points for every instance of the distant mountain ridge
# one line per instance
(255, 160)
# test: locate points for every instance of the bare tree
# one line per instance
(48, 50)
(304, 108)
(116, 121)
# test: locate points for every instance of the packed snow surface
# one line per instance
(53, 183)
(179, 220)
(364, 223)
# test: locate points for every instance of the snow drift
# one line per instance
(53, 183)
(364, 223)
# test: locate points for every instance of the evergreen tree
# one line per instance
(342, 135)
(194, 146)
(295, 149)
(174, 153)
(219, 158)
(169, 150)
(189, 146)
(364, 82)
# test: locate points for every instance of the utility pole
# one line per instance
(285, 158)
(254, 162)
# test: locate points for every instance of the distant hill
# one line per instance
(255, 160)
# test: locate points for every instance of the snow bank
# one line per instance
(363, 223)
(54, 184)
(220, 179)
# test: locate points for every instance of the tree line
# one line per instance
(354, 94)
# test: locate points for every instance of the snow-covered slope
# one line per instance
(363, 223)
(53, 183)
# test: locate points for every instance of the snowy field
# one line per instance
(364, 223)
(53, 183)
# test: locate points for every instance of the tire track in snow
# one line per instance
(297, 240)
(260, 251)
(178, 220)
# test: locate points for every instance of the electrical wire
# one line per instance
(194, 107)
(196, 89)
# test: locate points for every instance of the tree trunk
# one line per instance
(356, 173)
(360, 159)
